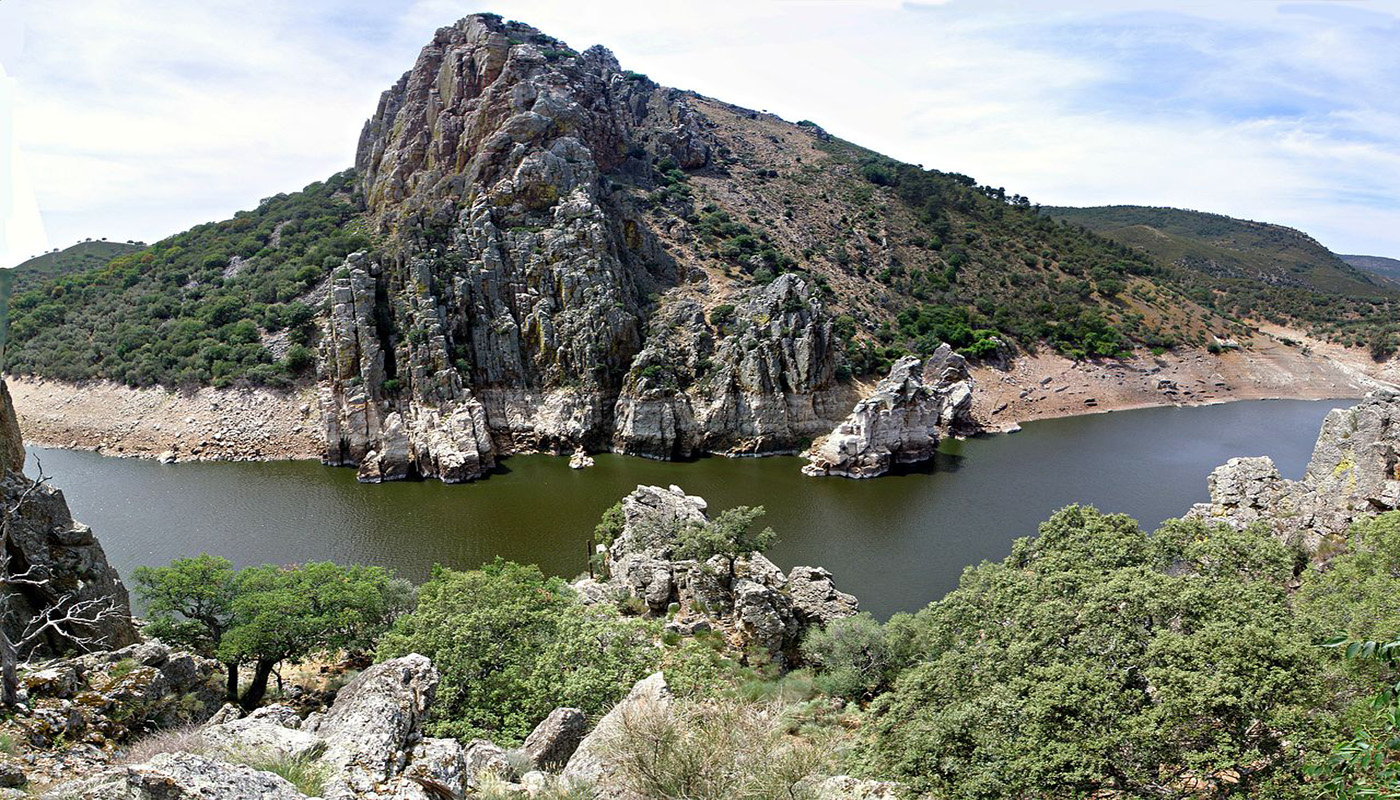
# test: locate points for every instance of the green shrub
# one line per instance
(512, 645)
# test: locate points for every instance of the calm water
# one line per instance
(897, 542)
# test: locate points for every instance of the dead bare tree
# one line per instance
(59, 616)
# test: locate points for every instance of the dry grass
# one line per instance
(186, 739)
(716, 750)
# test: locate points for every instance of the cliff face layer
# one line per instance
(522, 300)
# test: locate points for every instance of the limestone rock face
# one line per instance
(45, 539)
(521, 301)
(179, 776)
(1354, 472)
(902, 420)
(752, 597)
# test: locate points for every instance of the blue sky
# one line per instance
(139, 118)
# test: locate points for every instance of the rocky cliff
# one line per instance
(64, 570)
(523, 300)
(902, 421)
(1354, 471)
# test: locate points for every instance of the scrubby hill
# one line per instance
(223, 301)
(1254, 269)
(1388, 268)
(77, 258)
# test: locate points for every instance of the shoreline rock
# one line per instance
(902, 421)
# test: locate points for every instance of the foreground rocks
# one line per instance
(902, 421)
(1354, 472)
(751, 601)
(370, 743)
(65, 567)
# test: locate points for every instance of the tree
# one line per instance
(512, 645)
(1368, 764)
(1097, 657)
(270, 614)
(289, 613)
(190, 603)
(729, 535)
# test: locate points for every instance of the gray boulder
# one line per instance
(1354, 472)
(178, 776)
(556, 738)
(375, 723)
(589, 762)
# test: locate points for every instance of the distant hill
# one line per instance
(1388, 268)
(81, 256)
(1255, 269)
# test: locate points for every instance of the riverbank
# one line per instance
(206, 425)
(259, 425)
(1276, 364)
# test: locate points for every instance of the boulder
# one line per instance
(556, 737)
(178, 776)
(589, 762)
(815, 598)
(375, 723)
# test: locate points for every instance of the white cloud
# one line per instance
(139, 118)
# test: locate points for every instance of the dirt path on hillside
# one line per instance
(208, 425)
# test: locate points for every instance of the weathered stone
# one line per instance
(178, 776)
(482, 757)
(556, 737)
(375, 723)
(815, 598)
(589, 762)
(901, 421)
(274, 728)
(1354, 472)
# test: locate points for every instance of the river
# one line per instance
(897, 542)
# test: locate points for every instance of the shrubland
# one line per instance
(1197, 660)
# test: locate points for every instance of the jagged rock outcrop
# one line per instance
(751, 598)
(520, 300)
(765, 385)
(65, 563)
(902, 421)
(1354, 471)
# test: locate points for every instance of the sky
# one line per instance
(136, 119)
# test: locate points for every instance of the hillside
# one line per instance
(1388, 268)
(540, 250)
(77, 258)
(1255, 269)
